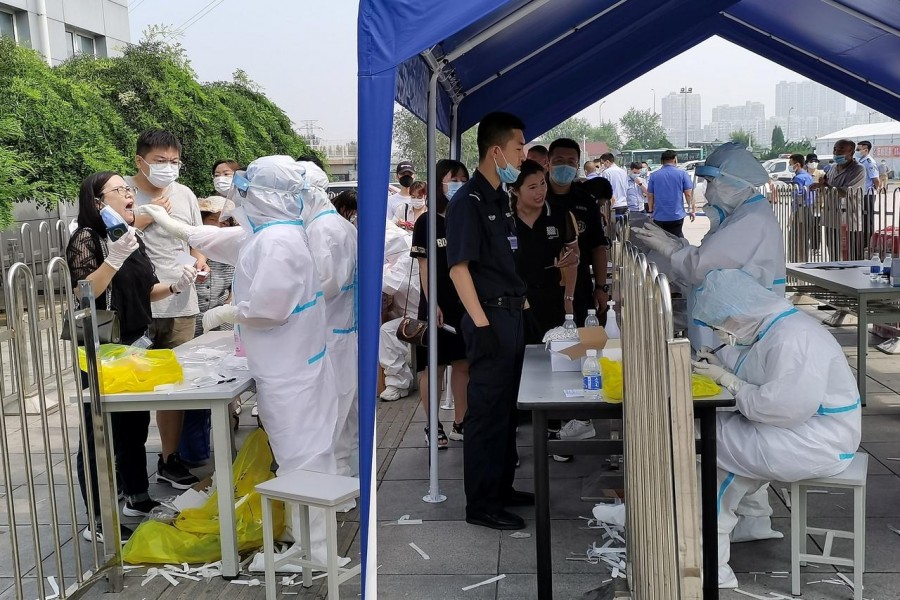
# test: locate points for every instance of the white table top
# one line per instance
(540, 385)
(187, 392)
(309, 487)
(853, 281)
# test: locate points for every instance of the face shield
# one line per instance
(270, 190)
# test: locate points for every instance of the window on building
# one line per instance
(77, 43)
(7, 25)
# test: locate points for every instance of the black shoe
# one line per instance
(141, 508)
(124, 532)
(442, 440)
(517, 498)
(174, 473)
(456, 433)
(501, 519)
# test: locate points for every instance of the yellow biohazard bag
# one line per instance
(701, 385)
(130, 369)
(194, 536)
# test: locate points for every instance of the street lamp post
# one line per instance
(654, 100)
(685, 91)
(789, 124)
(600, 111)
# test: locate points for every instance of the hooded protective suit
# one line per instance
(333, 243)
(400, 280)
(798, 406)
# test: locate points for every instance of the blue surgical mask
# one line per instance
(453, 187)
(643, 172)
(563, 174)
(839, 159)
(507, 174)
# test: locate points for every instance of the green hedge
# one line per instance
(60, 124)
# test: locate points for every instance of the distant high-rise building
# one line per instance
(680, 111)
(816, 109)
(749, 117)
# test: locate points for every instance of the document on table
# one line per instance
(843, 264)
(574, 393)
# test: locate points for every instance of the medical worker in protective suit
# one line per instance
(279, 311)
(798, 409)
(332, 243)
(744, 234)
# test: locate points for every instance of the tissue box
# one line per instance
(566, 355)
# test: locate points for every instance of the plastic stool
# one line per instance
(853, 477)
(307, 489)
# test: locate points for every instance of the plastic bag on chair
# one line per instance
(130, 369)
(194, 536)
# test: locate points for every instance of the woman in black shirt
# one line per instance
(451, 348)
(123, 280)
(547, 237)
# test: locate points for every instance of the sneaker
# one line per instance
(174, 473)
(456, 432)
(254, 412)
(392, 393)
(124, 532)
(562, 457)
(140, 508)
(442, 440)
(577, 430)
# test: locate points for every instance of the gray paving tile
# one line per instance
(41, 493)
(884, 452)
(884, 403)
(404, 497)
(455, 548)
(25, 544)
(764, 555)
(446, 416)
(882, 544)
(569, 538)
(434, 587)
(880, 428)
(412, 463)
(882, 492)
(877, 586)
(565, 585)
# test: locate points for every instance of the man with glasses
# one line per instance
(158, 162)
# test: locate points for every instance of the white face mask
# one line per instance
(417, 203)
(222, 184)
(161, 176)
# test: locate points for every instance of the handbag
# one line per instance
(412, 331)
(108, 326)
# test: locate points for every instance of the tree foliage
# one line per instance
(410, 143)
(60, 124)
(777, 138)
(740, 137)
(643, 129)
(780, 146)
(581, 130)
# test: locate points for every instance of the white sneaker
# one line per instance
(577, 430)
(392, 393)
(254, 412)
(750, 529)
(727, 578)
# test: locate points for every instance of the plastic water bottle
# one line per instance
(570, 327)
(875, 268)
(592, 320)
(886, 265)
(590, 375)
(612, 327)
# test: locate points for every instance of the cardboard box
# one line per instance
(566, 355)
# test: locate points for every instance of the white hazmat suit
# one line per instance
(798, 409)
(333, 243)
(400, 280)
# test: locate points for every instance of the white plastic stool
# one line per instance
(307, 489)
(854, 478)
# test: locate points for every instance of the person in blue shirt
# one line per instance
(802, 180)
(637, 189)
(667, 191)
(873, 183)
(802, 218)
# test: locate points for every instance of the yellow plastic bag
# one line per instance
(701, 385)
(130, 369)
(612, 380)
(194, 536)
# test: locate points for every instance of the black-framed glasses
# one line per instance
(121, 190)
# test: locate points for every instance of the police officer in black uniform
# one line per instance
(481, 242)
(582, 200)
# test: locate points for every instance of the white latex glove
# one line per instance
(164, 220)
(121, 249)
(732, 382)
(218, 316)
(188, 276)
(657, 239)
(707, 355)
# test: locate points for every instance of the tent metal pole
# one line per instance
(553, 42)
(862, 17)
(434, 493)
(455, 141)
(494, 29)
(811, 55)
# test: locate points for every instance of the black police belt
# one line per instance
(507, 302)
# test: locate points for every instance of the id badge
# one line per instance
(513, 242)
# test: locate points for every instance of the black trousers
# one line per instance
(584, 301)
(673, 227)
(489, 449)
(129, 433)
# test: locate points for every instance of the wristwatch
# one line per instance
(604, 288)
(172, 289)
(570, 298)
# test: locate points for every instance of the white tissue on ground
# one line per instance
(612, 514)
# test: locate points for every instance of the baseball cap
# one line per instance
(405, 166)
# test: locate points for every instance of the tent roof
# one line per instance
(861, 132)
(537, 66)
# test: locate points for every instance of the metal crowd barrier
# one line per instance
(663, 549)
(40, 488)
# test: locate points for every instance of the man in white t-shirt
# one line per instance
(406, 175)
(158, 163)
(618, 179)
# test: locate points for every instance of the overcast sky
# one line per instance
(305, 60)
